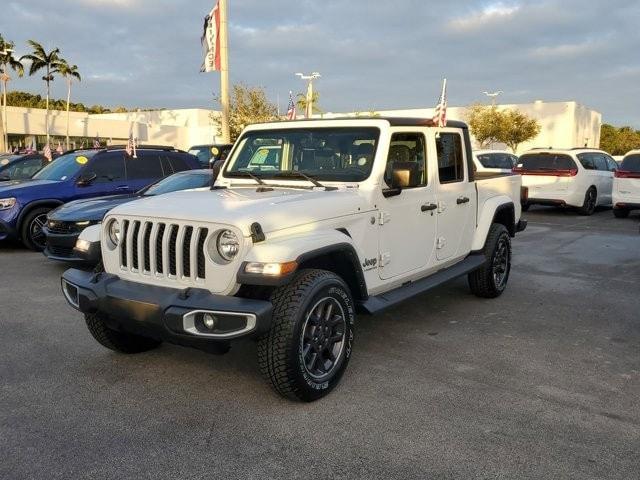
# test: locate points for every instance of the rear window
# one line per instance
(496, 160)
(546, 161)
(631, 163)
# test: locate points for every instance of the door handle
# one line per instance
(122, 188)
(428, 207)
(462, 200)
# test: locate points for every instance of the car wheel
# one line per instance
(308, 347)
(490, 280)
(590, 202)
(117, 341)
(31, 232)
(525, 207)
(620, 212)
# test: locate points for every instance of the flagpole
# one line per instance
(224, 71)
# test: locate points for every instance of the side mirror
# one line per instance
(403, 175)
(87, 179)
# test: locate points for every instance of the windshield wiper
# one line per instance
(263, 186)
(297, 174)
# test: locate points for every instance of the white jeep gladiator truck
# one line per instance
(308, 223)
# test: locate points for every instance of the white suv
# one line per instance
(626, 185)
(495, 161)
(581, 178)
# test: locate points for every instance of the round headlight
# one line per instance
(228, 245)
(114, 232)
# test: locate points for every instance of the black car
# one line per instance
(65, 223)
(209, 154)
(20, 166)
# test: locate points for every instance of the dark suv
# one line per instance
(20, 166)
(24, 204)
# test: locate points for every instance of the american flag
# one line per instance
(47, 152)
(440, 117)
(291, 109)
(96, 142)
(59, 149)
(131, 146)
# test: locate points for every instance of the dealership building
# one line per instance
(563, 125)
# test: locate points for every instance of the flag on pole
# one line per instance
(291, 109)
(211, 41)
(47, 152)
(440, 117)
(96, 142)
(129, 147)
(59, 149)
(135, 146)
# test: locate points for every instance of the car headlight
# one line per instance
(114, 232)
(228, 245)
(7, 203)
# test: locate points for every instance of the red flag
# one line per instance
(440, 117)
(47, 152)
(291, 109)
(211, 41)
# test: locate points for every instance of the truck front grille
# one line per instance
(163, 249)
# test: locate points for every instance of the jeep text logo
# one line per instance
(369, 263)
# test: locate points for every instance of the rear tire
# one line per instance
(620, 212)
(118, 341)
(308, 347)
(31, 232)
(490, 280)
(590, 202)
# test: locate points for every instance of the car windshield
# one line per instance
(546, 161)
(496, 160)
(203, 153)
(631, 163)
(179, 181)
(64, 167)
(327, 154)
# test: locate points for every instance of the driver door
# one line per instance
(407, 216)
(110, 178)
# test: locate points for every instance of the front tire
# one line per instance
(590, 202)
(620, 212)
(31, 232)
(308, 347)
(122, 342)
(490, 280)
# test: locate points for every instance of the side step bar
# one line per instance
(378, 303)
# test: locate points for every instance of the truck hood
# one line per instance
(14, 188)
(275, 210)
(93, 209)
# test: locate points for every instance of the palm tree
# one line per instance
(40, 59)
(69, 72)
(7, 60)
(302, 102)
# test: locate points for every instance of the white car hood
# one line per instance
(241, 206)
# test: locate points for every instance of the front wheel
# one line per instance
(490, 280)
(122, 342)
(308, 347)
(31, 232)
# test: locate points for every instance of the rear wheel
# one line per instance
(31, 232)
(308, 347)
(490, 280)
(117, 341)
(620, 212)
(590, 202)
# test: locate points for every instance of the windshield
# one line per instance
(64, 167)
(204, 153)
(327, 154)
(496, 160)
(546, 161)
(631, 163)
(179, 181)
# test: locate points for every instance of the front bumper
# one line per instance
(7, 231)
(164, 313)
(60, 246)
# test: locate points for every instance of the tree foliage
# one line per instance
(511, 127)
(619, 140)
(247, 105)
(301, 102)
(8, 59)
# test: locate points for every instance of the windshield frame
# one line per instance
(145, 191)
(228, 175)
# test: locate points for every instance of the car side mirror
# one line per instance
(87, 179)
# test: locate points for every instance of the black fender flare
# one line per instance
(53, 202)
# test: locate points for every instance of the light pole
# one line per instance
(310, 79)
(5, 78)
(494, 96)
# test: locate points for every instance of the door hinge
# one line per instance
(440, 243)
(385, 258)
(442, 206)
(384, 217)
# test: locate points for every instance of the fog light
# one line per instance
(82, 245)
(209, 321)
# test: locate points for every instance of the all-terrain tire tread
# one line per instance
(481, 280)
(118, 341)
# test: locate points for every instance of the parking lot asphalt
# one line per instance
(543, 382)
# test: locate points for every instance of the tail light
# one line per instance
(626, 174)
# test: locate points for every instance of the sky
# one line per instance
(372, 55)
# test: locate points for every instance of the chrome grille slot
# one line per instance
(164, 250)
